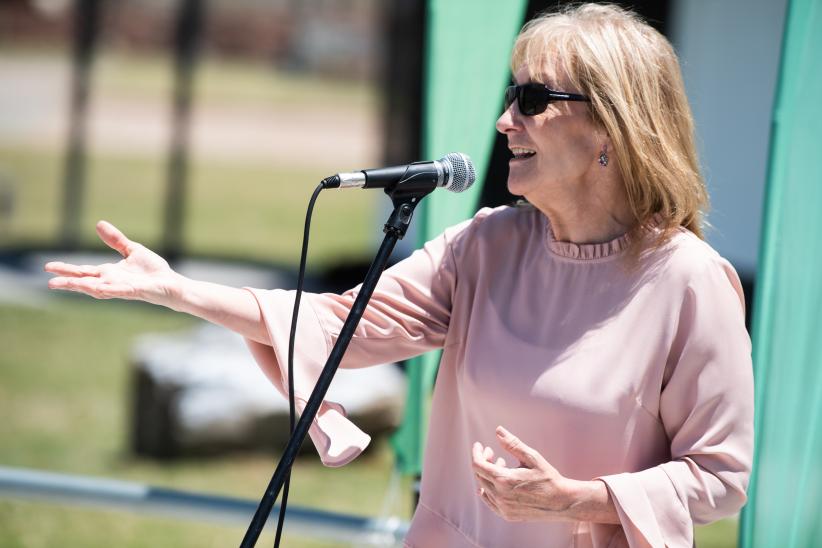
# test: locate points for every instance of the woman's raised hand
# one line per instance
(140, 275)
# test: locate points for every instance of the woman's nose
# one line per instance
(507, 122)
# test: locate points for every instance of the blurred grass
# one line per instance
(220, 81)
(722, 534)
(64, 408)
(234, 210)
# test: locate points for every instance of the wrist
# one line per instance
(574, 496)
(173, 293)
(589, 501)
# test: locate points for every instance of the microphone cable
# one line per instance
(291, 338)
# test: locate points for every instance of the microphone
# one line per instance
(454, 172)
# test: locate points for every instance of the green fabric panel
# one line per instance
(467, 57)
(785, 494)
(408, 441)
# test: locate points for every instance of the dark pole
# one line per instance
(187, 33)
(403, 85)
(402, 78)
(86, 25)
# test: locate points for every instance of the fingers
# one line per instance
(114, 238)
(526, 455)
(476, 451)
(84, 285)
(477, 460)
(477, 454)
(66, 269)
(488, 455)
(491, 476)
(485, 483)
(482, 464)
(88, 279)
(93, 287)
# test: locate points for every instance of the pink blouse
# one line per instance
(640, 377)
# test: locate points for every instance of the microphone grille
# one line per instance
(461, 173)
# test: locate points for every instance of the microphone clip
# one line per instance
(405, 202)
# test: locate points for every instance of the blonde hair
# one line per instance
(632, 76)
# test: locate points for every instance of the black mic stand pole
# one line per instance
(405, 200)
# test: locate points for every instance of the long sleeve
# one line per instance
(706, 408)
(407, 315)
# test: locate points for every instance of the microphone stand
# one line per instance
(405, 199)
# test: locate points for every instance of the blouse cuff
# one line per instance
(649, 509)
(337, 440)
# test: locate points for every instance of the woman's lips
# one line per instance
(521, 153)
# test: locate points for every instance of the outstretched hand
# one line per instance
(141, 275)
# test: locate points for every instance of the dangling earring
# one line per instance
(603, 156)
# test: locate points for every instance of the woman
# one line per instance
(595, 387)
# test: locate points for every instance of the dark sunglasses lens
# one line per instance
(510, 96)
(532, 100)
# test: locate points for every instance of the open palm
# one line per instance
(141, 275)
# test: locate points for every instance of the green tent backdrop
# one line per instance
(785, 494)
(466, 70)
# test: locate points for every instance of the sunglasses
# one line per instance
(533, 99)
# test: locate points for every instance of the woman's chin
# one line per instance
(517, 187)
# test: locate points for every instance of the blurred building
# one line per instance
(335, 37)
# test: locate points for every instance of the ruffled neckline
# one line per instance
(585, 252)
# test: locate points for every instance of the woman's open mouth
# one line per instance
(521, 153)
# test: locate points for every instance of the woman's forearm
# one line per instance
(591, 501)
(233, 308)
